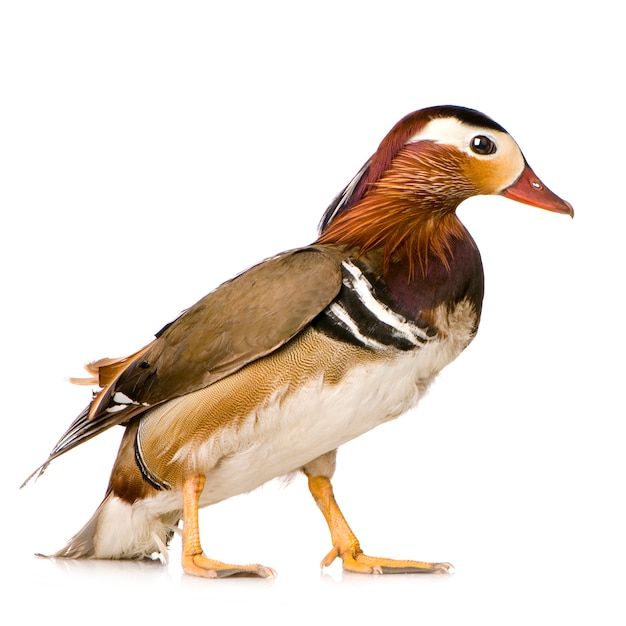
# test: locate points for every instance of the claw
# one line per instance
(193, 560)
(346, 545)
(200, 565)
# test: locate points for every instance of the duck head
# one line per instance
(404, 198)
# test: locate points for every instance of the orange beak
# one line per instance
(530, 190)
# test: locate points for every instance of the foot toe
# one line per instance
(200, 565)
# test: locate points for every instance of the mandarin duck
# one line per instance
(275, 369)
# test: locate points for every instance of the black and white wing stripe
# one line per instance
(359, 317)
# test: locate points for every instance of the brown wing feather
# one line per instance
(105, 371)
(241, 321)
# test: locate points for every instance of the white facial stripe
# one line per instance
(453, 132)
(507, 159)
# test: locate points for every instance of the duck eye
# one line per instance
(482, 145)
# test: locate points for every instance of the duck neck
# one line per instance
(409, 213)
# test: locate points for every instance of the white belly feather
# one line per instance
(288, 431)
(292, 429)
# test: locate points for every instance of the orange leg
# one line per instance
(346, 545)
(193, 559)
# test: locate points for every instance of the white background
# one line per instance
(151, 150)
